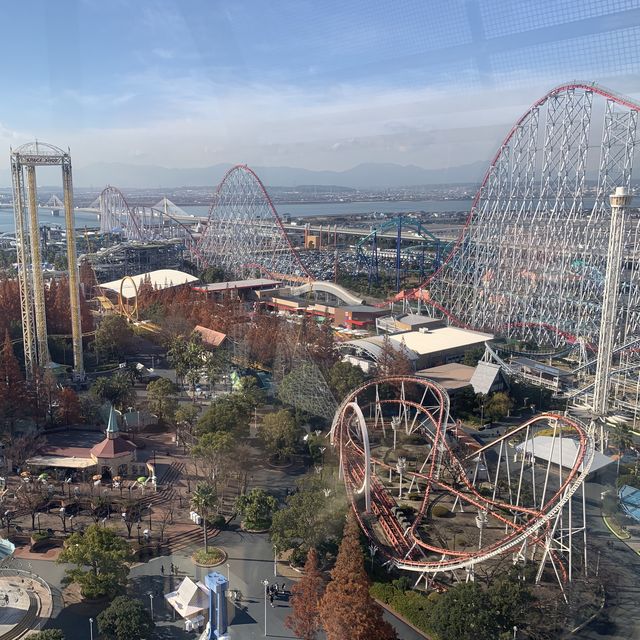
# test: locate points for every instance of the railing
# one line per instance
(57, 603)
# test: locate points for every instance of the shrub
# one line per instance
(40, 536)
(415, 606)
(403, 583)
(440, 511)
(212, 556)
(407, 510)
(218, 522)
(382, 591)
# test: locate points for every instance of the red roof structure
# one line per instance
(113, 448)
(210, 337)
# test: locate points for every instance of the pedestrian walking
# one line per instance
(173, 568)
(162, 569)
(284, 584)
(271, 599)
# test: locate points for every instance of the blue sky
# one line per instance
(312, 83)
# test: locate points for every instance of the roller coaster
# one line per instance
(529, 263)
(503, 507)
(420, 257)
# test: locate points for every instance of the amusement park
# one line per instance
(248, 409)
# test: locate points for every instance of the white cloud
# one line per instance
(195, 121)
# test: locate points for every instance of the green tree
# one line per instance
(462, 613)
(279, 434)
(463, 402)
(113, 337)
(311, 518)
(510, 600)
(213, 450)
(344, 377)
(225, 414)
(204, 501)
(472, 356)
(212, 274)
(116, 389)
(498, 406)
(101, 558)
(249, 392)
(125, 618)
(621, 437)
(162, 399)
(257, 508)
(47, 634)
(186, 418)
(189, 357)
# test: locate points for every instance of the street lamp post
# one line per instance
(275, 561)
(395, 425)
(151, 601)
(515, 632)
(91, 627)
(265, 584)
(229, 575)
(401, 465)
(373, 549)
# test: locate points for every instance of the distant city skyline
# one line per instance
(319, 86)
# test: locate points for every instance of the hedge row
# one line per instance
(412, 605)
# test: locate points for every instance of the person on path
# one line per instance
(271, 599)
(173, 569)
(162, 569)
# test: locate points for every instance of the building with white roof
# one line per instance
(560, 451)
(427, 347)
(159, 279)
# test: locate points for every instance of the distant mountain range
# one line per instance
(370, 175)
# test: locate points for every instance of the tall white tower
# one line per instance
(619, 200)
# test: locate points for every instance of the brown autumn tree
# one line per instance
(11, 385)
(346, 609)
(68, 410)
(394, 359)
(304, 620)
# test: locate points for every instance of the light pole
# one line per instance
(395, 425)
(372, 550)
(229, 575)
(515, 632)
(91, 627)
(151, 601)
(401, 465)
(265, 584)
(275, 561)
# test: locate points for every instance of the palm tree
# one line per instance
(203, 501)
(620, 433)
(621, 436)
